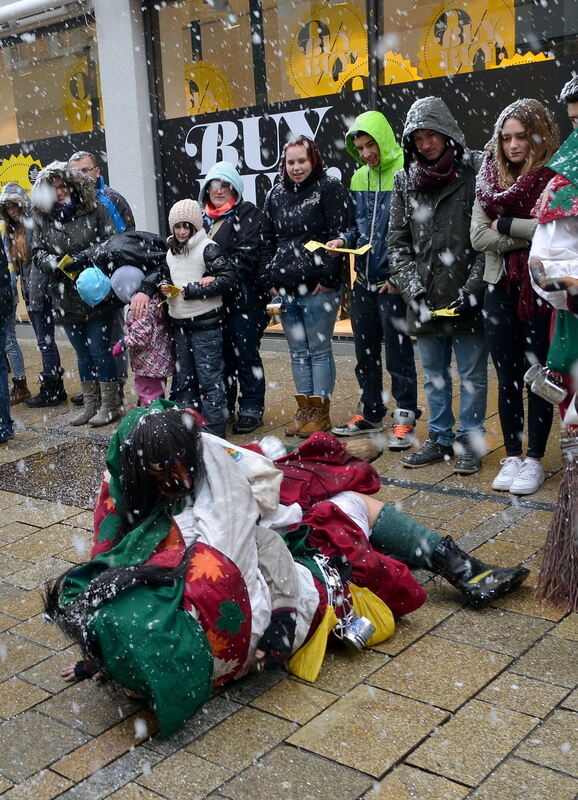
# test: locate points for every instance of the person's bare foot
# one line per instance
(80, 671)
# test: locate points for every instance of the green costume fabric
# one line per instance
(402, 538)
(150, 644)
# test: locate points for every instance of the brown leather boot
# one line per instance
(318, 416)
(19, 391)
(301, 416)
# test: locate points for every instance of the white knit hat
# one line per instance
(186, 211)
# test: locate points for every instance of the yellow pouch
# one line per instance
(63, 264)
(445, 312)
(173, 293)
(307, 661)
(367, 604)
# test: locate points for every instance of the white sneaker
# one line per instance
(505, 477)
(529, 478)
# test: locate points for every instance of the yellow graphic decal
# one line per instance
(519, 60)
(397, 69)
(77, 99)
(328, 51)
(206, 88)
(20, 169)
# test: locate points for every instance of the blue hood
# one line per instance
(222, 171)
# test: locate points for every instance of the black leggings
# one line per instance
(514, 346)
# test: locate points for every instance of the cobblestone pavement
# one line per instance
(456, 704)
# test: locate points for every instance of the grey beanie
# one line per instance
(125, 281)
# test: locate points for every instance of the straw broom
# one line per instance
(558, 581)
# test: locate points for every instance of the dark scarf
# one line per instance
(427, 175)
(63, 211)
(517, 200)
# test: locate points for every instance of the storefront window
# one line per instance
(206, 57)
(49, 82)
(422, 40)
(314, 49)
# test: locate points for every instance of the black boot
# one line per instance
(479, 583)
(52, 392)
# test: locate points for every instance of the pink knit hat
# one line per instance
(186, 211)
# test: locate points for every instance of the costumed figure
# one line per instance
(190, 584)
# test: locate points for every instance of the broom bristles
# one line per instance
(558, 581)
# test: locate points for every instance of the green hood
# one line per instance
(375, 125)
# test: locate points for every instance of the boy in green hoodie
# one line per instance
(377, 308)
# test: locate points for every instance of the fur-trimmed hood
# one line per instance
(13, 193)
(43, 197)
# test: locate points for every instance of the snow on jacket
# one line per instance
(315, 209)
(149, 342)
(52, 239)
(429, 231)
(34, 283)
(6, 294)
(371, 193)
(201, 258)
(238, 234)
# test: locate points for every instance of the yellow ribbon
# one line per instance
(312, 246)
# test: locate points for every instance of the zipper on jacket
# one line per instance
(372, 220)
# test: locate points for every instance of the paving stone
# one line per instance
(83, 520)
(112, 777)
(40, 573)
(571, 701)
(343, 669)
(43, 786)
(523, 694)
(40, 630)
(367, 714)
(39, 512)
(289, 773)
(45, 542)
(24, 605)
(438, 671)
(252, 685)
(241, 738)
(523, 601)
(13, 531)
(522, 534)
(408, 629)
(17, 654)
(7, 622)
(568, 628)
(184, 776)
(294, 700)
(8, 499)
(553, 659)
(494, 629)
(31, 741)
(515, 779)
(132, 791)
(90, 707)
(10, 565)
(406, 783)
(473, 742)
(554, 744)
(8, 591)
(505, 553)
(46, 674)
(17, 696)
(107, 747)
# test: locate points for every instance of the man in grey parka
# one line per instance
(435, 267)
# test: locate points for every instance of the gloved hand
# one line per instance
(118, 348)
(464, 304)
(421, 306)
(275, 646)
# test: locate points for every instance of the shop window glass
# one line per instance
(421, 40)
(206, 57)
(49, 83)
(314, 49)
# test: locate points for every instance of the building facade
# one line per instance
(162, 90)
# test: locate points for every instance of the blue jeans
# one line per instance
(6, 423)
(12, 348)
(472, 364)
(92, 342)
(377, 318)
(198, 379)
(241, 341)
(43, 324)
(308, 323)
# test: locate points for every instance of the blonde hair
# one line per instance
(542, 134)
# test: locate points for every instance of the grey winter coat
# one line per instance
(429, 245)
(90, 223)
(34, 283)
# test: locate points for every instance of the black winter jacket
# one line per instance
(295, 213)
(6, 295)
